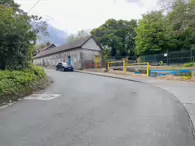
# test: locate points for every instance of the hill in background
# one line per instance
(56, 36)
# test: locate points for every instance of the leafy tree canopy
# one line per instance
(80, 34)
(10, 3)
(181, 20)
(117, 37)
(172, 30)
(18, 35)
(151, 34)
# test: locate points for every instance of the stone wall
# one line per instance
(90, 54)
(79, 58)
(89, 58)
(54, 59)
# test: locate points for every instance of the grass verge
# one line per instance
(17, 84)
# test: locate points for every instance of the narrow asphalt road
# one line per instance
(96, 111)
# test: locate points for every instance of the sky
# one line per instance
(74, 15)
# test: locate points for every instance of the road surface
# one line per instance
(96, 111)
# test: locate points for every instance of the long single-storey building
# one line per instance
(78, 53)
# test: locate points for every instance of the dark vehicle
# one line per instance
(63, 66)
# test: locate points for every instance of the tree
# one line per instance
(118, 36)
(175, 30)
(80, 34)
(182, 21)
(18, 36)
(10, 3)
(38, 47)
(152, 34)
(71, 38)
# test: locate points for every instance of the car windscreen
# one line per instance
(65, 64)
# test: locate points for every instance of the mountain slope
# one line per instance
(56, 36)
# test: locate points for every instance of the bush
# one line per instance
(189, 64)
(39, 72)
(16, 84)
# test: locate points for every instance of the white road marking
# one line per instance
(42, 96)
(4, 106)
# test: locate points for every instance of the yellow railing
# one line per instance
(139, 65)
(125, 65)
(113, 62)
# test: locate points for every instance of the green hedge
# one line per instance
(16, 84)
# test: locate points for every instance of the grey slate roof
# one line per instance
(47, 47)
(76, 44)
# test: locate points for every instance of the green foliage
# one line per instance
(106, 53)
(80, 34)
(189, 64)
(17, 83)
(174, 31)
(151, 34)
(18, 35)
(39, 72)
(10, 3)
(161, 63)
(117, 37)
(38, 48)
(181, 20)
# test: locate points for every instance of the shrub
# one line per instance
(39, 72)
(189, 64)
(15, 84)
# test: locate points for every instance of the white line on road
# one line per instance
(42, 96)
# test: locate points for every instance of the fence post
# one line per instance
(108, 64)
(167, 57)
(191, 55)
(148, 69)
(124, 65)
(139, 60)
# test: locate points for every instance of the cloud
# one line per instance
(74, 15)
(138, 2)
(148, 5)
(133, 1)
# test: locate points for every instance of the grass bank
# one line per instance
(17, 84)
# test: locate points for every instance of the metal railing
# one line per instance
(170, 58)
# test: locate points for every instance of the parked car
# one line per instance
(63, 66)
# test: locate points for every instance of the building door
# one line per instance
(69, 60)
(97, 61)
